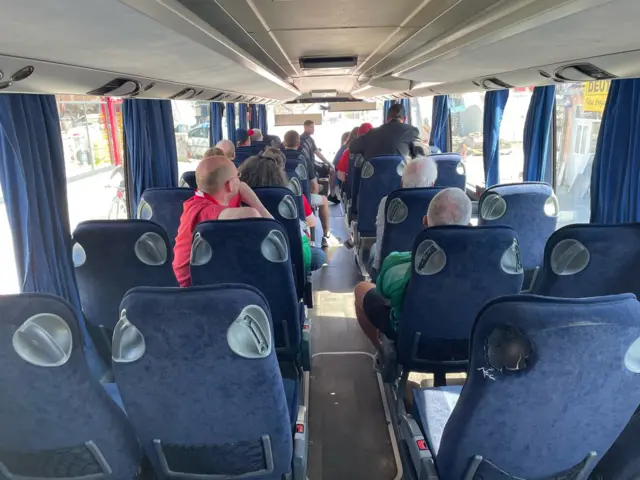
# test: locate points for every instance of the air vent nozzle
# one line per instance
(582, 72)
(494, 83)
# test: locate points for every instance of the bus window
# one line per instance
(8, 274)
(579, 109)
(466, 133)
(191, 126)
(91, 130)
(421, 114)
(512, 134)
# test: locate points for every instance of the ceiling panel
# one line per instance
(329, 82)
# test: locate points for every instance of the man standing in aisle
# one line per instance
(306, 139)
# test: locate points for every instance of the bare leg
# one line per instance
(323, 212)
(367, 327)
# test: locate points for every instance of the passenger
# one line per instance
(307, 138)
(214, 152)
(243, 137)
(292, 142)
(343, 164)
(393, 138)
(257, 135)
(419, 173)
(228, 148)
(344, 142)
(267, 170)
(379, 307)
(219, 197)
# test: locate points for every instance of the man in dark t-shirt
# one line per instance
(310, 148)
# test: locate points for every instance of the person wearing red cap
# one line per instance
(343, 164)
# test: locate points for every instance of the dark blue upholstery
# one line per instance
(164, 206)
(353, 180)
(57, 408)
(191, 390)
(111, 268)
(297, 191)
(587, 260)
(292, 166)
(242, 153)
(258, 146)
(525, 213)
(573, 394)
(237, 248)
(404, 214)
(277, 200)
(379, 177)
(188, 179)
(451, 171)
(478, 264)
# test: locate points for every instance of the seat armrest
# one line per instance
(421, 456)
(308, 292)
(300, 445)
(306, 344)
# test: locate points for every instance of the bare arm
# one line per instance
(249, 197)
(311, 221)
(342, 176)
(238, 213)
(314, 187)
(321, 156)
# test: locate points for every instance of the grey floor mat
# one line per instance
(349, 435)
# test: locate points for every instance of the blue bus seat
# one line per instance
(188, 179)
(254, 252)
(110, 258)
(590, 260)
(199, 378)
(298, 168)
(500, 426)
(353, 180)
(57, 420)
(258, 146)
(404, 218)
(455, 270)
(451, 171)
(295, 186)
(280, 202)
(243, 153)
(164, 206)
(530, 208)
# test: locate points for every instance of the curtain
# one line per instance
(537, 134)
(215, 123)
(242, 115)
(34, 187)
(231, 122)
(262, 116)
(615, 183)
(407, 108)
(151, 146)
(440, 122)
(254, 117)
(385, 109)
(494, 103)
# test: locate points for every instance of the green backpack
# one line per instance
(392, 281)
(306, 252)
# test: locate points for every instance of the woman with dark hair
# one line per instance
(267, 170)
(343, 164)
(344, 142)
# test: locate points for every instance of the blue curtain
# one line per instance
(385, 109)
(615, 183)
(242, 115)
(151, 145)
(262, 116)
(254, 117)
(215, 123)
(34, 186)
(440, 122)
(231, 122)
(537, 134)
(494, 103)
(407, 108)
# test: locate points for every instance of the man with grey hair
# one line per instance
(418, 173)
(228, 148)
(257, 135)
(374, 308)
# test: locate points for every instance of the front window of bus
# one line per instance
(467, 112)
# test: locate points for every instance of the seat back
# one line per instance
(281, 203)
(455, 270)
(297, 168)
(451, 171)
(404, 218)
(200, 381)
(164, 206)
(57, 420)
(111, 257)
(255, 252)
(380, 176)
(550, 380)
(587, 260)
(188, 179)
(353, 180)
(530, 208)
(242, 153)
(258, 146)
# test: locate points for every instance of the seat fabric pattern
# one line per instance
(524, 209)
(451, 171)
(165, 206)
(434, 406)
(49, 413)
(549, 381)
(207, 405)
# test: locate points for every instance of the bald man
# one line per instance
(228, 148)
(219, 196)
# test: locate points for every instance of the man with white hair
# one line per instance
(228, 148)
(257, 135)
(378, 307)
(418, 173)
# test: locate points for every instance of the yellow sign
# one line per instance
(595, 96)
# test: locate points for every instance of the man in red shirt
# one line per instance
(219, 197)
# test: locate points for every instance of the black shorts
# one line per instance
(378, 311)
